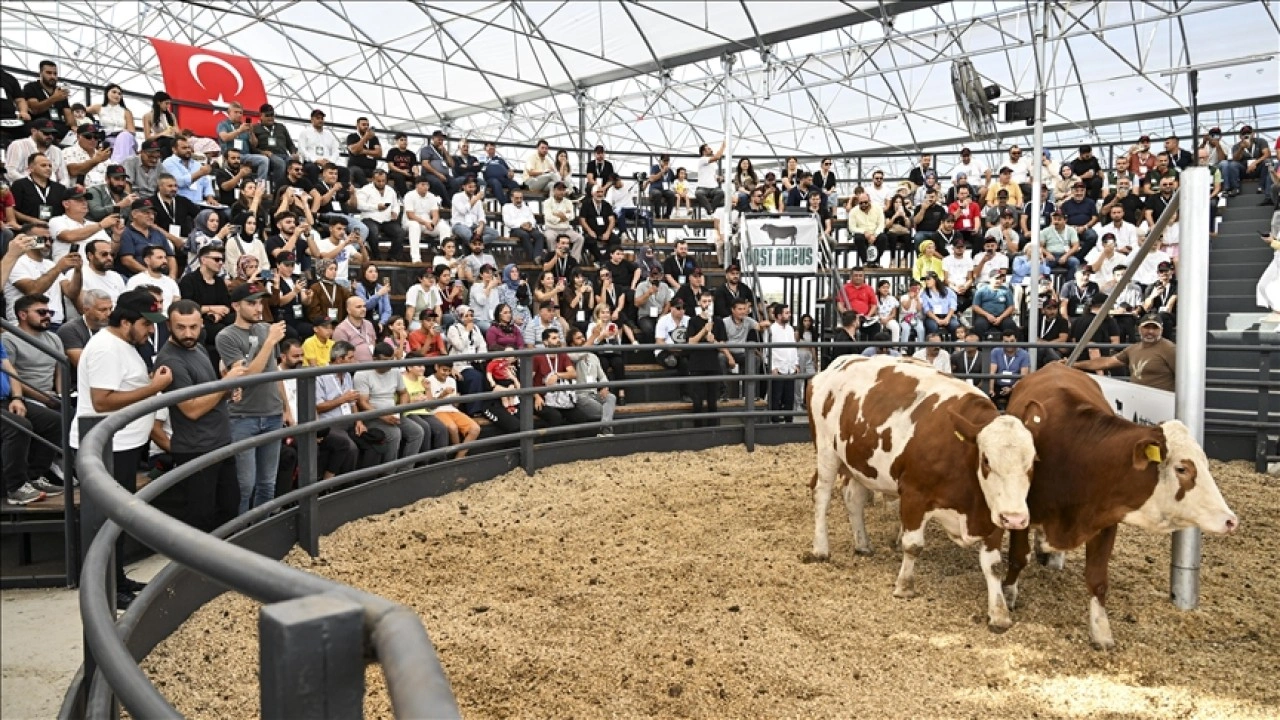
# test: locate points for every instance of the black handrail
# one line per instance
(415, 679)
(70, 519)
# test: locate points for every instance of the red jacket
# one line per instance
(862, 299)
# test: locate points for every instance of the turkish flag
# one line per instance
(207, 77)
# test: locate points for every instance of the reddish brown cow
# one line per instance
(902, 428)
(1095, 470)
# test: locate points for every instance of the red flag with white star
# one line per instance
(208, 77)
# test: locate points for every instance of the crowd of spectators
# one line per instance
(173, 260)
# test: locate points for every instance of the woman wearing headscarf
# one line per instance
(208, 230)
(928, 260)
(242, 239)
(247, 273)
(376, 294)
(509, 294)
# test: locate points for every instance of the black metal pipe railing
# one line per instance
(415, 679)
(70, 518)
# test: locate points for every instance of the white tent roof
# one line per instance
(809, 78)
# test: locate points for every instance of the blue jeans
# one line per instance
(260, 164)
(256, 468)
(1073, 262)
(1231, 171)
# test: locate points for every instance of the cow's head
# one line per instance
(1006, 456)
(1185, 494)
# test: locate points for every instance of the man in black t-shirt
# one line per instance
(1086, 168)
(200, 425)
(1107, 332)
(704, 331)
(364, 151)
(13, 109)
(46, 98)
(228, 176)
(401, 164)
(1124, 195)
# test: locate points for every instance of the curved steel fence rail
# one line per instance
(393, 633)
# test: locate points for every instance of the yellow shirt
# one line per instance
(926, 264)
(538, 163)
(315, 352)
(417, 390)
(1015, 193)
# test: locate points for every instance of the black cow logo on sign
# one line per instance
(780, 232)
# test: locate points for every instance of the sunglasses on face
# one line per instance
(42, 312)
(215, 259)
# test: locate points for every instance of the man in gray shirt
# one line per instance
(261, 408)
(651, 299)
(383, 390)
(202, 424)
(37, 370)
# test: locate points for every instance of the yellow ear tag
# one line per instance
(1153, 453)
(959, 436)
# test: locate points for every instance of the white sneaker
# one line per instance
(24, 495)
(49, 489)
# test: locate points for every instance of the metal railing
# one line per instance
(70, 521)
(301, 604)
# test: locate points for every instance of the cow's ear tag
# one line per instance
(959, 436)
(1036, 419)
(1153, 453)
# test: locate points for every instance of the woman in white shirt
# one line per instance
(116, 121)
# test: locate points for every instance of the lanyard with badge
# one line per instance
(332, 294)
(46, 210)
(562, 267)
(969, 364)
(337, 206)
(172, 212)
(1002, 359)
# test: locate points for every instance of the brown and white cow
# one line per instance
(901, 428)
(1096, 470)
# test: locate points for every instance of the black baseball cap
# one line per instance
(44, 125)
(1151, 319)
(316, 112)
(151, 145)
(116, 171)
(245, 292)
(75, 192)
(140, 303)
(286, 257)
(143, 204)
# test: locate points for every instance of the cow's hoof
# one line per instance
(904, 593)
(813, 557)
(1052, 560)
(999, 624)
(1103, 645)
(864, 551)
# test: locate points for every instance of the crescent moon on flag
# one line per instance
(195, 61)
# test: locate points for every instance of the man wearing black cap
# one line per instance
(144, 168)
(273, 142)
(141, 234)
(731, 291)
(1152, 362)
(436, 164)
(73, 225)
(41, 140)
(1162, 298)
(1086, 167)
(252, 343)
(87, 158)
(37, 197)
(112, 197)
(112, 376)
(1251, 157)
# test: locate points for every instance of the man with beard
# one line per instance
(99, 275)
(273, 142)
(202, 424)
(114, 377)
(235, 133)
(175, 214)
(251, 343)
(47, 100)
(85, 160)
(37, 197)
(230, 174)
(144, 168)
(380, 213)
(141, 235)
(37, 371)
(195, 182)
(39, 142)
(112, 197)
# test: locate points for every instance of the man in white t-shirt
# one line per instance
(877, 190)
(35, 274)
(112, 377)
(783, 363)
(621, 197)
(156, 263)
(958, 267)
(973, 168)
(709, 194)
(1125, 233)
(988, 262)
(318, 147)
(74, 226)
(98, 273)
(422, 217)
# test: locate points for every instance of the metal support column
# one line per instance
(308, 468)
(749, 368)
(525, 413)
(580, 97)
(1193, 331)
(311, 658)
(730, 172)
(1037, 192)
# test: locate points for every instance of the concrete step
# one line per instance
(1246, 248)
(1234, 303)
(1237, 270)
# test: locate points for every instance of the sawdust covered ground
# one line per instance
(671, 585)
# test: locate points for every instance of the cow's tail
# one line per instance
(813, 425)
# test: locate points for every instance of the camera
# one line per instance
(640, 177)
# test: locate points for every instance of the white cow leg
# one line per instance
(1100, 626)
(826, 475)
(912, 545)
(998, 616)
(856, 498)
